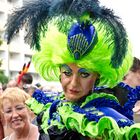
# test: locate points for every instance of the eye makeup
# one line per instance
(66, 70)
(81, 71)
(84, 72)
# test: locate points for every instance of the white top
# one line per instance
(9, 137)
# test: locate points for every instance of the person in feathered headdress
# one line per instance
(85, 46)
(24, 78)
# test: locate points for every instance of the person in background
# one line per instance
(133, 80)
(26, 79)
(11, 83)
(128, 88)
(4, 86)
(133, 77)
(85, 46)
(130, 81)
(1, 89)
(30, 89)
(1, 130)
(17, 115)
(1, 125)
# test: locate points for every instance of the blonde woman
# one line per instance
(17, 115)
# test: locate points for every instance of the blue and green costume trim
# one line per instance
(99, 115)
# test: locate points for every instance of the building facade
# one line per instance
(15, 54)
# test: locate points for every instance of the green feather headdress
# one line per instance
(49, 24)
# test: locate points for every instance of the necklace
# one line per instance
(27, 137)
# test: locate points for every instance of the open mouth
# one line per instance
(16, 122)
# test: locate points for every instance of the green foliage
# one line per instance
(0, 62)
(1, 42)
(3, 78)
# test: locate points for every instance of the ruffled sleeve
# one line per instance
(64, 114)
(106, 127)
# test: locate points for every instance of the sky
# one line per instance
(128, 11)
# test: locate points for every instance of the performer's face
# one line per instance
(76, 82)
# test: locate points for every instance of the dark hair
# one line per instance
(4, 86)
(136, 65)
(38, 85)
(27, 78)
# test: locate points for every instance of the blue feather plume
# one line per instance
(36, 14)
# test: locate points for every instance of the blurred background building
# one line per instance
(17, 53)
